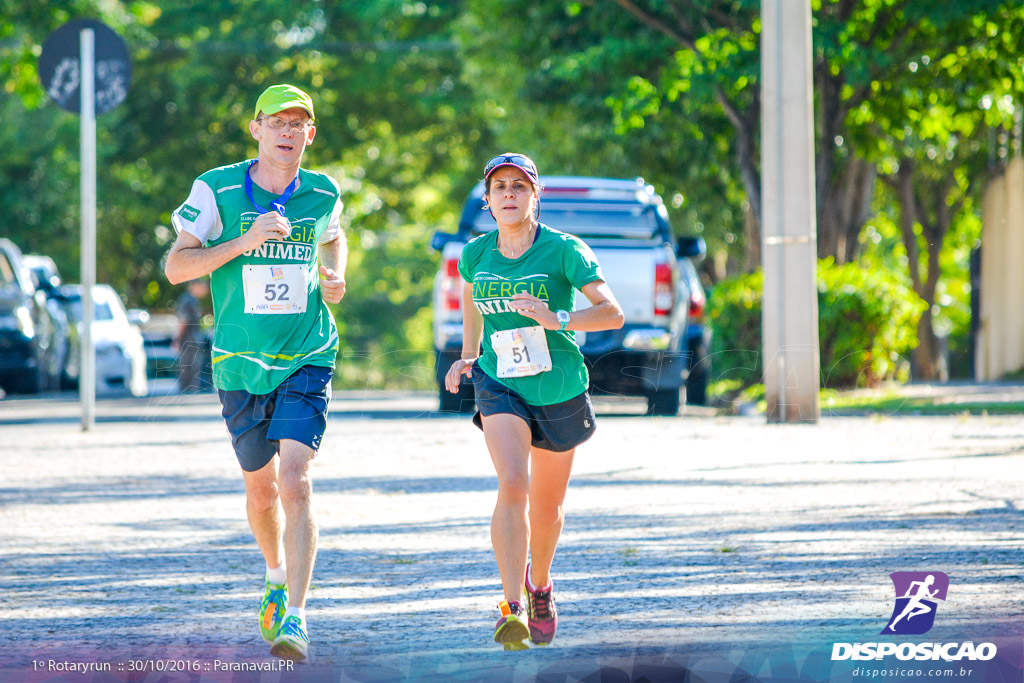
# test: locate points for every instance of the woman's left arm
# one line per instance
(604, 314)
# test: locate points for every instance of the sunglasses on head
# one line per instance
(518, 160)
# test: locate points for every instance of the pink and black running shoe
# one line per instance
(540, 607)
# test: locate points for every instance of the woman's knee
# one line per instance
(514, 488)
(545, 514)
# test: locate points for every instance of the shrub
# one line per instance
(734, 312)
(867, 321)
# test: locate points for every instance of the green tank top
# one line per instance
(269, 316)
(552, 269)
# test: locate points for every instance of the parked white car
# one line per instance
(120, 352)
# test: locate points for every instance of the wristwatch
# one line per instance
(563, 318)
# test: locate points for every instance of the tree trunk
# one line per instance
(927, 357)
(747, 125)
(924, 363)
(752, 231)
(845, 209)
(844, 185)
(910, 185)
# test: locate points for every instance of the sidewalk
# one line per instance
(687, 539)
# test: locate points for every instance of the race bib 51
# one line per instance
(521, 352)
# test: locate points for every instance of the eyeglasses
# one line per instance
(518, 160)
(277, 123)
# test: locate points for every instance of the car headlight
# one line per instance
(25, 321)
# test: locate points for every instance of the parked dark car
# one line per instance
(30, 339)
(48, 280)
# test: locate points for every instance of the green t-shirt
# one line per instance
(552, 269)
(269, 316)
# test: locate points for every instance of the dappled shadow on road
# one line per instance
(661, 578)
(127, 488)
(205, 408)
(120, 489)
(825, 460)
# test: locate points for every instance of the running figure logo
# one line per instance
(916, 596)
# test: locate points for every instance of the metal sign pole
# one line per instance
(67, 70)
(87, 379)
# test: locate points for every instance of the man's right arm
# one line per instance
(189, 259)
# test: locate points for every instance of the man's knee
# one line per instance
(296, 487)
(295, 478)
(261, 495)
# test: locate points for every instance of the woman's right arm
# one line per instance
(472, 333)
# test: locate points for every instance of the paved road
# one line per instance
(683, 535)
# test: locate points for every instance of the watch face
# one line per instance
(562, 316)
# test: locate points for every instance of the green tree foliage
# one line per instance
(907, 91)
(396, 126)
(867, 322)
(570, 83)
(928, 129)
(413, 96)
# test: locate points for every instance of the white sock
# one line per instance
(299, 612)
(277, 575)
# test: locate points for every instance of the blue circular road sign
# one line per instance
(60, 68)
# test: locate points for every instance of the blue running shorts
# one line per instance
(296, 409)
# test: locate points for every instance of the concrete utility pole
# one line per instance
(789, 249)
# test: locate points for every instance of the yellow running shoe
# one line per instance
(511, 629)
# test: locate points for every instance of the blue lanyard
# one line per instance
(275, 206)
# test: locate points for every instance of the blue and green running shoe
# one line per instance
(291, 642)
(275, 600)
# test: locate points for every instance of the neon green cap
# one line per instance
(280, 97)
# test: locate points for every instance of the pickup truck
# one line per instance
(626, 224)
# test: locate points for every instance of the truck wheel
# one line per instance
(461, 402)
(664, 402)
(697, 379)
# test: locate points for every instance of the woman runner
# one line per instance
(530, 381)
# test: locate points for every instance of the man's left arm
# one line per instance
(333, 258)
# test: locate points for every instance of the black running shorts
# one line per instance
(559, 427)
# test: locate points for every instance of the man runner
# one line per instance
(260, 228)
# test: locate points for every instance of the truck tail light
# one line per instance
(451, 287)
(664, 292)
(697, 303)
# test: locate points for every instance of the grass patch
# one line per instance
(892, 402)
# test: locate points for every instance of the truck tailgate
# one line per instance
(629, 271)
